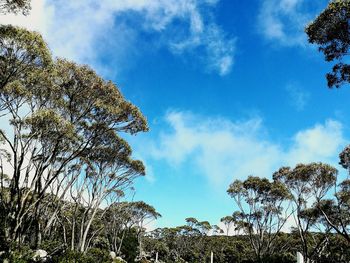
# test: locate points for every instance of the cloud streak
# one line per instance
(87, 30)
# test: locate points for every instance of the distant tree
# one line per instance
(142, 214)
(202, 228)
(263, 211)
(15, 6)
(228, 223)
(331, 32)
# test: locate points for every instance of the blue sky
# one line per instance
(230, 88)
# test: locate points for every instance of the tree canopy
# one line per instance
(331, 32)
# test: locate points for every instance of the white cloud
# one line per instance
(224, 150)
(297, 96)
(283, 21)
(319, 143)
(86, 30)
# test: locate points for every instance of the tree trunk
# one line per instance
(87, 228)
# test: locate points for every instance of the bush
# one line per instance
(24, 255)
(98, 255)
(93, 255)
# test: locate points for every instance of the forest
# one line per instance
(67, 172)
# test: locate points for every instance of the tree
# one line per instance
(336, 211)
(15, 6)
(262, 211)
(308, 184)
(228, 222)
(109, 171)
(330, 31)
(142, 214)
(117, 221)
(64, 123)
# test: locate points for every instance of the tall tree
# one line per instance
(62, 119)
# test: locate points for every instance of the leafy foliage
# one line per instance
(330, 31)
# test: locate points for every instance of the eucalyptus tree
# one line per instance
(263, 211)
(228, 222)
(308, 185)
(331, 32)
(336, 211)
(200, 230)
(60, 120)
(201, 227)
(169, 243)
(108, 172)
(142, 214)
(118, 221)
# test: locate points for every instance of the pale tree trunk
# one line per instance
(121, 242)
(86, 231)
(73, 235)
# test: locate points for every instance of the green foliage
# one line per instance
(330, 31)
(18, 255)
(129, 248)
(93, 255)
(24, 59)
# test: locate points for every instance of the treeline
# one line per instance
(192, 247)
(303, 209)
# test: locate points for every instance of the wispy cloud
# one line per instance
(298, 97)
(223, 150)
(283, 21)
(86, 30)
